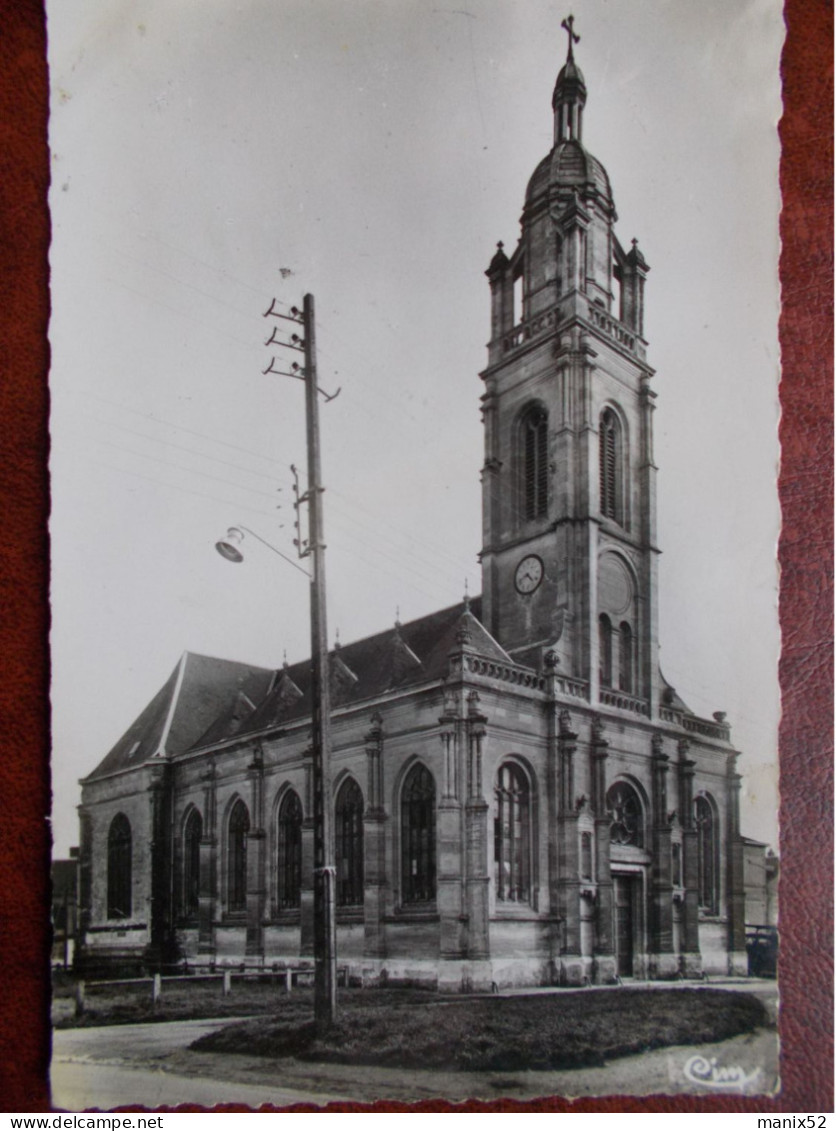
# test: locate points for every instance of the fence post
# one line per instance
(79, 997)
(288, 979)
(156, 988)
(227, 982)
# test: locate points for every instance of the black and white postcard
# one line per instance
(414, 518)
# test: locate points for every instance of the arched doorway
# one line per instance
(628, 861)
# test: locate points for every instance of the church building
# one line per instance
(519, 796)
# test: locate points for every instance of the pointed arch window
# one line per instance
(605, 650)
(290, 852)
(349, 844)
(512, 835)
(707, 855)
(237, 832)
(609, 456)
(535, 469)
(625, 658)
(192, 834)
(119, 851)
(627, 814)
(418, 837)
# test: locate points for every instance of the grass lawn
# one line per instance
(406, 1029)
(180, 1001)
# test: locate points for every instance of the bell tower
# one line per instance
(569, 557)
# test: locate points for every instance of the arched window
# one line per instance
(119, 868)
(609, 455)
(290, 851)
(676, 864)
(605, 650)
(348, 836)
(239, 827)
(418, 837)
(625, 657)
(192, 834)
(707, 855)
(535, 463)
(586, 856)
(512, 835)
(625, 807)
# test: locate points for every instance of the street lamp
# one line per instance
(228, 547)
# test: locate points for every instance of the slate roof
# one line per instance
(205, 700)
(398, 658)
(201, 689)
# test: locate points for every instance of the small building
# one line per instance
(64, 875)
(519, 795)
(760, 881)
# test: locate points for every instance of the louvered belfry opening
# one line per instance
(608, 456)
(535, 437)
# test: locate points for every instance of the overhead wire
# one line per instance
(417, 548)
(183, 490)
(183, 467)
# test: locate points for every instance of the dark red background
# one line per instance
(806, 591)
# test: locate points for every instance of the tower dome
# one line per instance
(569, 165)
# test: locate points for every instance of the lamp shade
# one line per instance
(228, 547)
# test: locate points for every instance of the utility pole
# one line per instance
(325, 930)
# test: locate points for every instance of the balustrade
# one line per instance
(533, 328)
(625, 702)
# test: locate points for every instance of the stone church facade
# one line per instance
(519, 796)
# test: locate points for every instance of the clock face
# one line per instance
(529, 574)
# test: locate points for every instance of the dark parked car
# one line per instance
(762, 951)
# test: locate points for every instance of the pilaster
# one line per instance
(735, 892)
(650, 682)
(569, 883)
(160, 949)
(604, 944)
(450, 833)
(691, 961)
(663, 961)
(374, 848)
(207, 894)
(476, 836)
(552, 773)
(256, 864)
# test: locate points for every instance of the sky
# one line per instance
(207, 159)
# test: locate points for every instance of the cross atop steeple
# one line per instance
(568, 27)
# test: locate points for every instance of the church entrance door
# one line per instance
(624, 924)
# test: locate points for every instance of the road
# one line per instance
(151, 1065)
